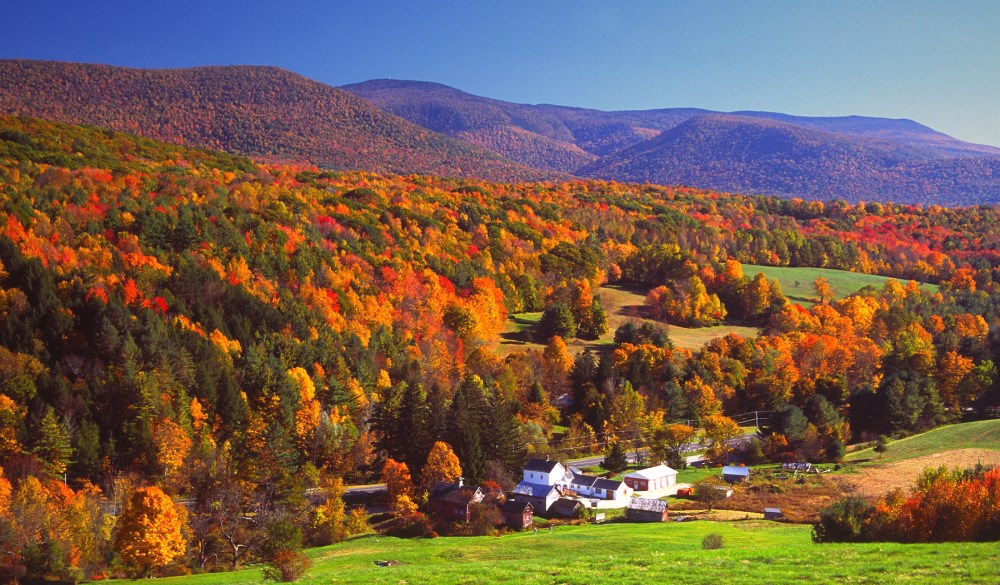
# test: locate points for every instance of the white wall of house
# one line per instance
(553, 478)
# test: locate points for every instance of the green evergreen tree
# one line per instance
(556, 320)
(503, 436)
(52, 444)
(615, 460)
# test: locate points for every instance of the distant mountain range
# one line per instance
(853, 157)
(392, 126)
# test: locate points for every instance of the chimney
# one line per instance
(459, 481)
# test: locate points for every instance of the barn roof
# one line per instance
(647, 504)
(772, 510)
(736, 470)
(542, 465)
(653, 472)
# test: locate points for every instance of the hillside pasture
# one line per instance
(797, 283)
(954, 446)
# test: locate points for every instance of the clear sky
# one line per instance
(935, 62)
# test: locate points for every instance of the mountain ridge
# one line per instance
(262, 111)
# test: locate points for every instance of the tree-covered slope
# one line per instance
(264, 112)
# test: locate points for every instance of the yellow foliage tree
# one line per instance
(442, 466)
(150, 530)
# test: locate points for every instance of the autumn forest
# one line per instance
(181, 325)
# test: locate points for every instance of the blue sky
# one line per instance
(931, 61)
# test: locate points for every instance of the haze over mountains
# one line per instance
(391, 126)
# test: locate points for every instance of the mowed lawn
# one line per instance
(754, 552)
(797, 283)
(983, 434)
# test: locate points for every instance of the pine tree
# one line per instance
(413, 427)
(52, 444)
(504, 438)
(615, 460)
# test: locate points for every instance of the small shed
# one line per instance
(651, 478)
(735, 474)
(772, 514)
(565, 508)
(518, 515)
(646, 510)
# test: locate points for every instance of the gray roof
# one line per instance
(543, 465)
(536, 490)
(735, 470)
(772, 510)
(647, 504)
(584, 480)
(608, 484)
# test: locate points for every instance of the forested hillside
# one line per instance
(236, 333)
(264, 112)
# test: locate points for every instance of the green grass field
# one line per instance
(797, 283)
(753, 552)
(984, 434)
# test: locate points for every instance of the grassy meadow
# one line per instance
(797, 283)
(754, 552)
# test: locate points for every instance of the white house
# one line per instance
(651, 478)
(597, 487)
(542, 484)
(544, 472)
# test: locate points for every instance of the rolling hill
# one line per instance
(851, 157)
(264, 112)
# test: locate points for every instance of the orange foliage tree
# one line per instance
(150, 530)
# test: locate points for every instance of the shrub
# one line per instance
(842, 521)
(287, 566)
(712, 541)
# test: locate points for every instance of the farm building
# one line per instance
(646, 510)
(542, 484)
(543, 471)
(651, 478)
(453, 501)
(772, 513)
(734, 474)
(518, 515)
(597, 487)
(565, 508)
(540, 496)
